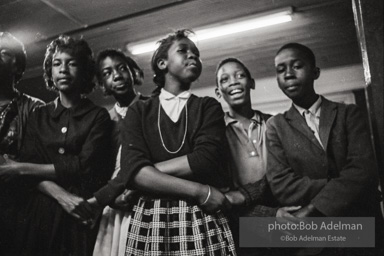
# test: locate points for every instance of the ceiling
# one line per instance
(326, 26)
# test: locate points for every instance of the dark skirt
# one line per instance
(12, 201)
(177, 227)
(47, 229)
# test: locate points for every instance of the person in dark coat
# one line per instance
(15, 109)
(319, 152)
(64, 158)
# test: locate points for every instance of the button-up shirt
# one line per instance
(312, 117)
(248, 149)
(82, 163)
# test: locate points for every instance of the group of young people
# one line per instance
(170, 174)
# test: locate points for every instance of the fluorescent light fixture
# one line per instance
(223, 29)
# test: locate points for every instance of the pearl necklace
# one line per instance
(185, 132)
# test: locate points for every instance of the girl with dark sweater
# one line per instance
(171, 152)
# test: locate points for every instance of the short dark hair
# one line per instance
(132, 65)
(302, 48)
(80, 49)
(17, 47)
(162, 53)
(232, 59)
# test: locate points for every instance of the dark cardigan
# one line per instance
(141, 144)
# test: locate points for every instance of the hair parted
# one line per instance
(7, 40)
(228, 60)
(80, 50)
(302, 48)
(162, 53)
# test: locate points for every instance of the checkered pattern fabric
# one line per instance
(177, 227)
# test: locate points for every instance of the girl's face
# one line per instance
(183, 63)
(116, 75)
(234, 85)
(65, 72)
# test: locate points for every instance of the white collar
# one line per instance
(165, 95)
(122, 111)
(172, 104)
(314, 109)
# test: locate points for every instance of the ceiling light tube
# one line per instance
(223, 29)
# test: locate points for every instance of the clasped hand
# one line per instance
(87, 211)
(214, 202)
(79, 208)
(126, 200)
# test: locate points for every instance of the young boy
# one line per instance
(319, 152)
(245, 131)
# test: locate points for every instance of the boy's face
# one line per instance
(234, 85)
(116, 76)
(295, 74)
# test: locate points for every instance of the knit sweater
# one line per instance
(141, 143)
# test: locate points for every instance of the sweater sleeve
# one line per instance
(254, 192)
(206, 160)
(134, 156)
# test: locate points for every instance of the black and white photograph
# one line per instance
(191, 127)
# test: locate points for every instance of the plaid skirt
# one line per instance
(177, 227)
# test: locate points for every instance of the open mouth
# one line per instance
(235, 91)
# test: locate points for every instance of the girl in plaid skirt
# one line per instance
(172, 148)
